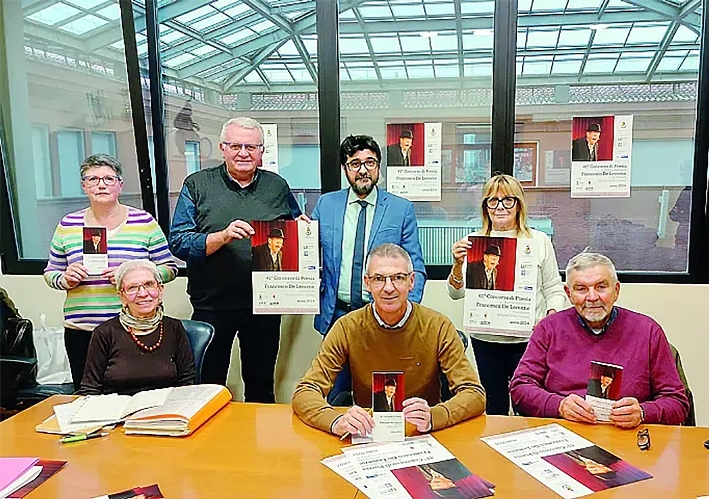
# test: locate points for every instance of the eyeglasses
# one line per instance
(355, 164)
(150, 286)
(378, 280)
(236, 147)
(508, 202)
(644, 439)
(108, 180)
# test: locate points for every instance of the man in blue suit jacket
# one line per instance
(389, 219)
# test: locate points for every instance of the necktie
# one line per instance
(358, 260)
(593, 153)
(406, 158)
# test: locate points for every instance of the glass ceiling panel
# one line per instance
(354, 45)
(691, 63)
(685, 35)
(253, 77)
(600, 65)
(414, 43)
(646, 34)
(585, 5)
(632, 65)
(472, 42)
(54, 14)
(294, 15)
(524, 5)
(536, 68)
(486, 7)
(385, 45)
(574, 37)
(195, 14)
(566, 67)
(347, 15)
(236, 11)
(396, 72)
(536, 39)
(262, 26)
(235, 37)
(401, 11)
(288, 49)
(179, 60)
(611, 36)
(363, 74)
(170, 35)
(541, 5)
(483, 69)
(444, 42)
(311, 44)
(375, 12)
(83, 24)
(223, 4)
(86, 4)
(420, 71)
(112, 12)
(521, 39)
(447, 71)
(209, 21)
(203, 50)
(344, 75)
(278, 76)
(440, 9)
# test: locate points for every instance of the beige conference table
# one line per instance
(255, 451)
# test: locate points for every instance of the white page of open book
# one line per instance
(64, 414)
(146, 399)
(101, 408)
(184, 401)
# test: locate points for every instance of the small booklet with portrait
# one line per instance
(95, 249)
(387, 399)
(603, 388)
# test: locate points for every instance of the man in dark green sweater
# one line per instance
(391, 334)
(210, 231)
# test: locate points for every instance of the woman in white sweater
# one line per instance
(504, 214)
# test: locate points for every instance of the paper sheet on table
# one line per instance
(113, 407)
(64, 414)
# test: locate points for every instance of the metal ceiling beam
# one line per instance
(689, 7)
(664, 45)
(36, 7)
(306, 25)
(368, 41)
(295, 7)
(266, 13)
(109, 35)
(669, 11)
(266, 81)
(242, 71)
(300, 46)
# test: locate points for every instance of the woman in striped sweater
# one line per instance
(131, 234)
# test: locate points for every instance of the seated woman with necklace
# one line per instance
(141, 349)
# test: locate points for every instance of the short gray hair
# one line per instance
(127, 267)
(99, 160)
(390, 250)
(243, 122)
(586, 260)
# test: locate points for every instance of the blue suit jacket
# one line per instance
(394, 222)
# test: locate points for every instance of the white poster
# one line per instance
(500, 286)
(269, 161)
(600, 156)
(413, 158)
(565, 462)
(285, 267)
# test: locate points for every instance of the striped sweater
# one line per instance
(95, 300)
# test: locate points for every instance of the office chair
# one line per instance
(200, 335)
(445, 390)
(691, 419)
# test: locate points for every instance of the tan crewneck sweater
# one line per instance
(425, 346)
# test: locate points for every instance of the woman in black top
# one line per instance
(141, 349)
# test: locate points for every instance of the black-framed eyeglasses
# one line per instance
(355, 164)
(236, 147)
(378, 280)
(108, 180)
(508, 202)
(644, 439)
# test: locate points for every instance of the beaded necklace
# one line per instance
(142, 345)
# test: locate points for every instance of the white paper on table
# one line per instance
(341, 465)
(526, 448)
(64, 414)
(21, 481)
(375, 462)
(113, 408)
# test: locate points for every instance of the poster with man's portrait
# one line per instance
(413, 160)
(449, 479)
(387, 403)
(95, 249)
(500, 285)
(604, 382)
(285, 261)
(600, 156)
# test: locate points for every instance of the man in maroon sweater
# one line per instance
(552, 376)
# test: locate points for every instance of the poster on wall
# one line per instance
(413, 159)
(600, 156)
(500, 286)
(269, 161)
(557, 168)
(284, 262)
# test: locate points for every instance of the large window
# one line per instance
(642, 62)
(63, 91)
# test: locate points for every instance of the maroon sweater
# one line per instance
(115, 364)
(557, 362)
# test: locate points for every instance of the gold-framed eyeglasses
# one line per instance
(378, 280)
(355, 164)
(150, 286)
(236, 147)
(508, 202)
(108, 180)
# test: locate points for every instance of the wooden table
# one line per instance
(246, 450)
(677, 459)
(254, 451)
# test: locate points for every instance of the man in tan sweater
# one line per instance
(391, 334)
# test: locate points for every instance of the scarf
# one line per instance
(140, 324)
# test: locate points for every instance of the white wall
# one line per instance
(678, 308)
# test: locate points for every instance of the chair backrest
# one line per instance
(200, 335)
(691, 415)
